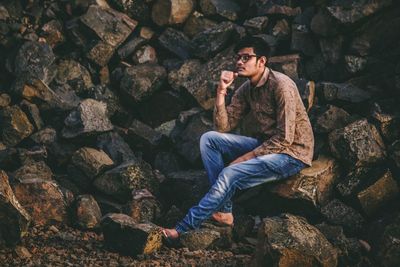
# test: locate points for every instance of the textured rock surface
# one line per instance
(15, 125)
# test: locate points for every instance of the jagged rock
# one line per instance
(358, 143)
(388, 247)
(33, 170)
(53, 33)
(290, 241)
(122, 234)
(75, 75)
(5, 100)
(115, 146)
(395, 152)
(132, 175)
(176, 42)
(108, 205)
(332, 48)
(344, 91)
(100, 53)
(356, 10)
(389, 124)
(185, 188)
(333, 118)
(15, 125)
(43, 200)
(34, 60)
(276, 7)
(127, 49)
(167, 162)
(141, 81)
(312, 185)
(356, 179)
(256, 25)
(178, 77)
(137, 9)
(14, 220)
(91, 161)
(225, 239)
(33, 113)
(281, 30)
(162, 107)
(323, 24)
(303, 41)
(87, 212)
(337, 213)
(199, 239)
(379, 194)
(104, 94)
(90, 117)
(143, 207)
(99, 20)
(145, 54)
(211, 41)
(188, 141)
(4, 13)
(287, 64)
(170, 12)
(243, 227)
(225, 8)
(172, 216)
(197, 23)
(144, 137)
(355, 64)
(167, 128)
(46, 136)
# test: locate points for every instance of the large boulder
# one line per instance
(290, 241)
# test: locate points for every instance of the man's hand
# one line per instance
(226, 79)
(247, 156)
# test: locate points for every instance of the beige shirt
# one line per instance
(278, 109)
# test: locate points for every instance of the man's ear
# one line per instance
(263, 60)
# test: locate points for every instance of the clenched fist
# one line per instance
(226, 79)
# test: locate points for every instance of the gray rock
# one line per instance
(333, 118)
(131, 46)
(344, 91)
(90, 117)
(33, 114)
(303, 41)
(287, 64)
(137, 9)
(87, 212)
(46, 136)
(224, 8)
(199, 239)
(167, 162)
(276, 7)
(104, 94)
(144, 137)
(187, 71)
(176, 42)
(132, 175)
(143, 207)
(358, 143)
(15, 125)
(355, 64)
(14, 218)
(291, 240)
(323, 24)
(115, 146)
(197, 23)
(141, 81)
(331, 48)
(354, 180)
(91, 161)
(123, 235)
(256, 25)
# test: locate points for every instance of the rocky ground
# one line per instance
(64, 246)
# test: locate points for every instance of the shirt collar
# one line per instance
(264, 77)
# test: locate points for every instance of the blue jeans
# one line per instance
(218, 149)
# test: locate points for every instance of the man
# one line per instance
(281, 147)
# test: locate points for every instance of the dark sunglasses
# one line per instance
(244, 57)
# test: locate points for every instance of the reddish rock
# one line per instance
(15, 125)
(87, 212)
(33, 170)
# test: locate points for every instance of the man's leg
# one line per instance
(239, 176)
(217, 149)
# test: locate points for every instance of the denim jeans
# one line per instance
(219, 149)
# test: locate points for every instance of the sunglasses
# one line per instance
(244, 57)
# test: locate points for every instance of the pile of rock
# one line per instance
(102, 105)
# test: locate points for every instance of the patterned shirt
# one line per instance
(276, 106)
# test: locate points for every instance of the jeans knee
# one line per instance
(207, 137)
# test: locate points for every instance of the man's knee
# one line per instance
(208, 137)
(226, 178)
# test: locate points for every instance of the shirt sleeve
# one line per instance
(286, 122)
(227, 118)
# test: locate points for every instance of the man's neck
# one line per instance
(256, 78)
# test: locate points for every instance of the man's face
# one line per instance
(247, 62)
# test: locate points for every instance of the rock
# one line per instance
(87, 212)
(172, 216)
(176, 42)
(358, 143)
(167, 162)
(170, 12)
(281, 30)
(357, 10)
(323, 24)
(287, 64)
(146, 54)
(14, 218)
(303, 41)
(143, 137)
(143, 207)
(137, 9)
(389, 124)
(75, 75)
(167, 128)
(131, 46)
(356, 179)
(46, 136)
(256, 25)
(332, 48)
(198, 239)
(355, 64)
(290, 241)
(344, 91)
(376, 196)
(8, 158)
(225, 239)
(15, 125)
(122, 234)
(99, 18)
(224, 8)
(90, 117)
(22, 252)
(103, 93)
(115, 146)
(146, 33)
(197, 23)
(132, 175)
(100, 53)
(33, 113)
(33, 170)
(34, 60)
(141, 81)
(43, 200)
(188, 70)
(188, 141)
(108, 205)
(306, 89)
(5, 100)
(52, 31)
(211, 41)
(185, 188)
(91, 161)
(243, 227)
(276, 7)
(337, 213)
(333, 118)
(388, 247)
(395, 152)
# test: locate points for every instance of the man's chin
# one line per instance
(242, 74)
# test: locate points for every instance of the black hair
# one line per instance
(260, 48)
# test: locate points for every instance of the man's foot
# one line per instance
(170, 236)
(223, 218)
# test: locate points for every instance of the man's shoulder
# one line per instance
(282, 81)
